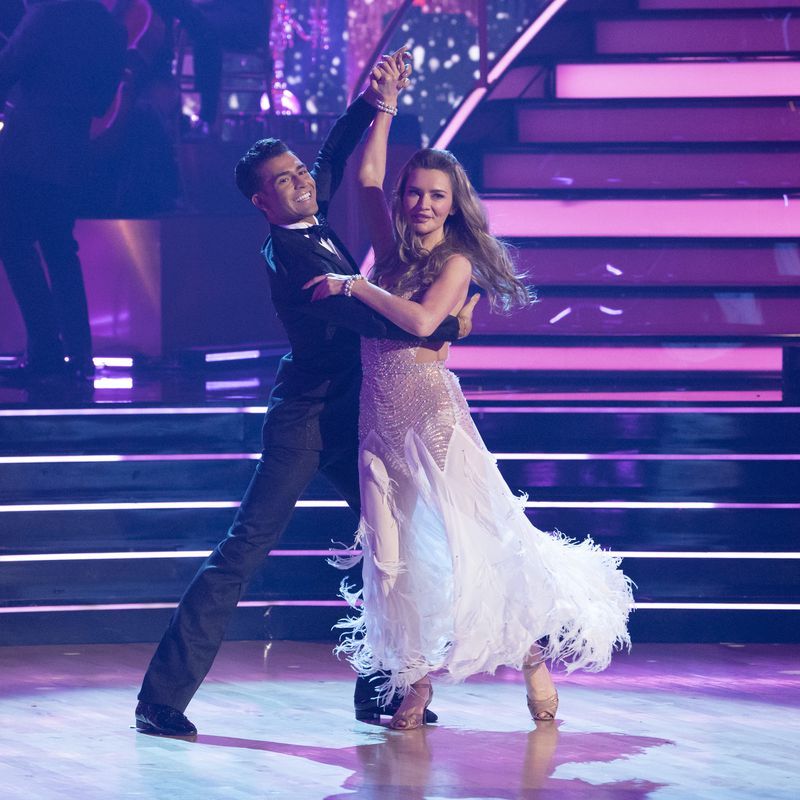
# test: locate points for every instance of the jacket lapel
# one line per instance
(307, 248)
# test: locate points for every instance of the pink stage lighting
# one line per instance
(703, 218)
(773, 78)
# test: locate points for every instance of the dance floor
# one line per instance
(667, 721)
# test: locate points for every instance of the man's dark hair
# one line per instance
(247, 169)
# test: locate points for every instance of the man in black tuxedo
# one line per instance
(311, 425)
(63, 63)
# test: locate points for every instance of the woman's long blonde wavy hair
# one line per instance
(411, 269)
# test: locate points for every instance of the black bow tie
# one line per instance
(318, 232)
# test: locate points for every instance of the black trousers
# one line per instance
(197, 627)
(55, 312)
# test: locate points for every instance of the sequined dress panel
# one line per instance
(399, 395)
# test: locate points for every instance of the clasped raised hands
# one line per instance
(390, 75)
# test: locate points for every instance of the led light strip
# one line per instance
(167, 410)
(213, 504)
(717, 606)
(643, 606)
(109, 458)
(634, 409)
(149, 554)
(645, 457)
(622, 456)
(170, 554)
(239, 355)
(155, 505)
(129, 411)
(156, 606)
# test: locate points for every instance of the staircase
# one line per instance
(644, 159)
(106, 513)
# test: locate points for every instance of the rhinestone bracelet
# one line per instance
(347, 291)
(386, 108)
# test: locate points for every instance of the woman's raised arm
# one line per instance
(386, 81)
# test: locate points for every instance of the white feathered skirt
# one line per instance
(456, 578)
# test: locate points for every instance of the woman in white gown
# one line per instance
(456, 578)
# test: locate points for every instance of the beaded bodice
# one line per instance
(399, 394)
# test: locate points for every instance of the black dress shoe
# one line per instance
(162, 720)
(366, 706)
(372, 712)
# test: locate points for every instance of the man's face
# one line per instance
(287, 192)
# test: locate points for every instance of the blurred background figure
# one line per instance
(11, 12)
(214, 26)
(59, 68)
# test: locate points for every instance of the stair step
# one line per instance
(714, 529)
(584, 428)
(161, 580)
(700, 170)
(767, 78)
(707, 480)
(668, 263)
(561, 352)
(516, 217)
(126, 429)
(314, 622)
(726, 313)
(621, 121)
(759, 33)
(95, 582)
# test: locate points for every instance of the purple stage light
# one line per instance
(616, 456)
(174, 554)
(635, 409)
(102, 458)
(677, 396)
(678, 505)
(111, 411)
(113, 383)
(112, 361)
(217, 504)
(221, 386)
(717, 606)
(234, 355)
(659, 36)
(694, 218)
(559, 316)
(678, 79)
(156, 606)
(643, 606)
(616, 359)
(153, 554)
(680, 121)
(152, 505)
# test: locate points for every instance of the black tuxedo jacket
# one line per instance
(314, 402)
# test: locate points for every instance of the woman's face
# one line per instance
(427, 203)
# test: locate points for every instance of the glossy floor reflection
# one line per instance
(667, 721)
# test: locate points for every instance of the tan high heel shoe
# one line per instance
(411, 713)
(544, 709)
